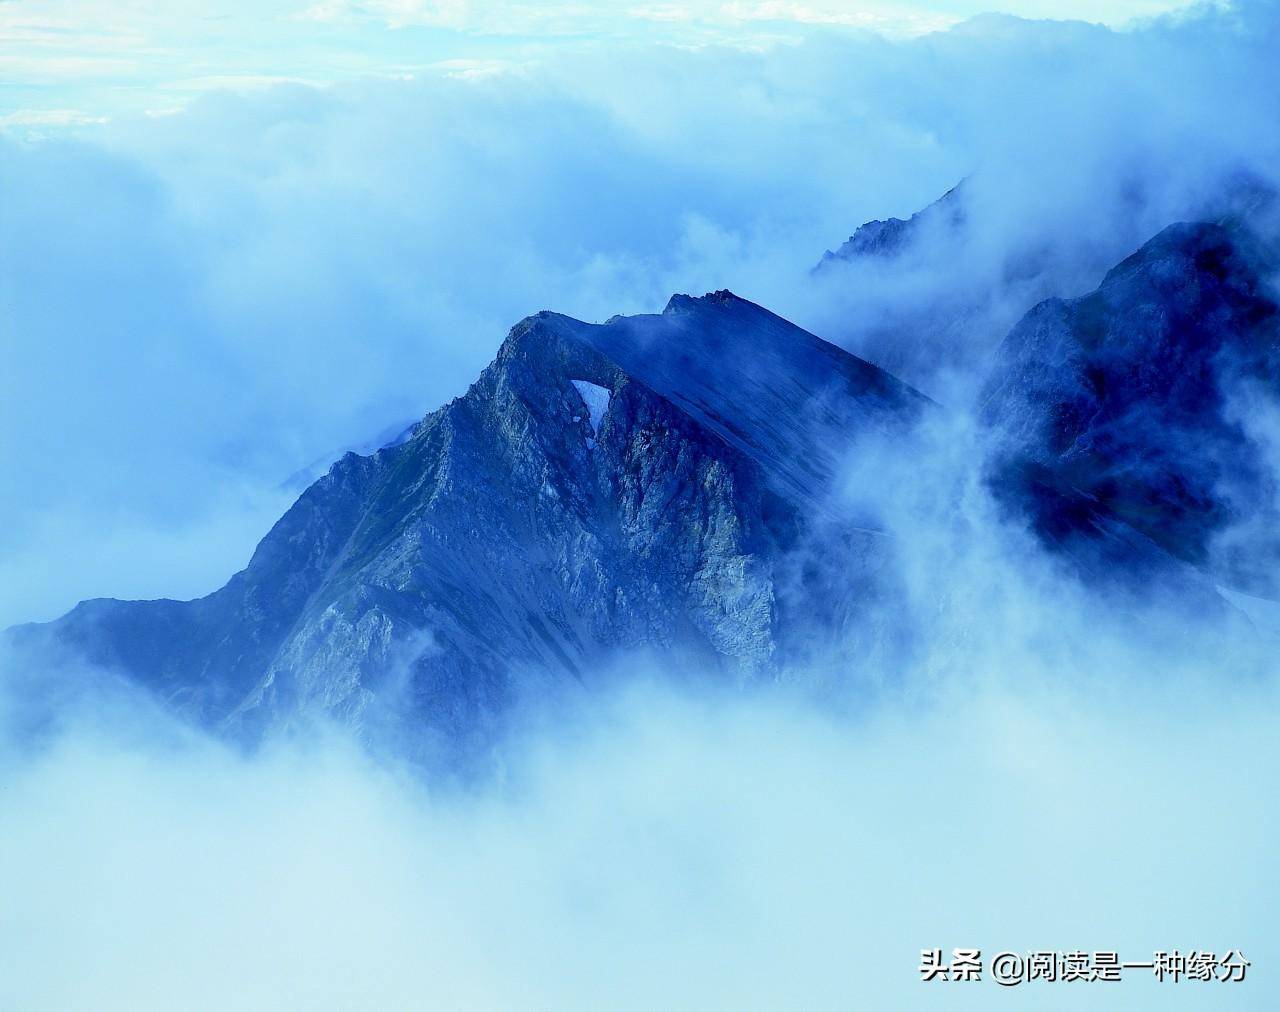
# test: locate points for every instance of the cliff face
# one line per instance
(653, 483)
(664, 484)
(1134, 408)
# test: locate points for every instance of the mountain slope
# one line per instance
(1127, 406)
(650, 483)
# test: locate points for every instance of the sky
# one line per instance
(236, 240)
(78, 62)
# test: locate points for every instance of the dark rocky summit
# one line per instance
(663, 484)
(930, 297)
(651, 483)
(1129, 417)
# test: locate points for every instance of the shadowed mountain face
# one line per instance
(1131, 417)
(664, 484)
(651, 483)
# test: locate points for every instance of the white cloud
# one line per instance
(49, 118)
(200, 303)
(890, 18)
(659, 850)
(78, 53)
(228, 293)
(234, 82)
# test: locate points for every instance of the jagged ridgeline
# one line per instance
(663, 484)
(657, 482)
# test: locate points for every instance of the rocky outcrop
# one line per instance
(1135, 408)
(662, 485)
(653, 484)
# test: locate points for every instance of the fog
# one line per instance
(663, 848)
(1054, 769)
(201, 304)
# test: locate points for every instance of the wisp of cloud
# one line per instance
(204, 307)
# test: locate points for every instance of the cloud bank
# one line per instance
(89, 58)
(664, 848)
(201, 304)
(1048, 769)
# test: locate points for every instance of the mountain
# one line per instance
(929, 297)
(1130, 417)
(1240, 199)
(662, 484)
(655, 483)
(1136, 429)
(889, 238)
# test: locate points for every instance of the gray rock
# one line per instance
(522, 536)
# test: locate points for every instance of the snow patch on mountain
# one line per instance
(596, 398)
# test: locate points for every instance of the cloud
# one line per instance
(78, 54)
(201, 303)
(660, 847)
(48, 118)
(1046, 769)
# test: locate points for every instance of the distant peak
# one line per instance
(887, 238)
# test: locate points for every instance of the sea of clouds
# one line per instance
(1049, 768)
(200, 305)
(663, 846)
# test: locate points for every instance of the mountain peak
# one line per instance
(683, 303)
(1122, 406)
(645, 483)
(1220, 250)
(768, 388)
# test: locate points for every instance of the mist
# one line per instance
(663, 847)
(201, 304)
(1054, 768)
(205, 305)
